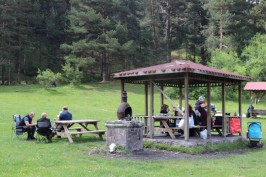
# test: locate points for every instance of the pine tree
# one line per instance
(101, 36)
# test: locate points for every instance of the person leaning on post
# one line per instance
(29, 126)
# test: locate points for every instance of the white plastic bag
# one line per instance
(181, 123)
(112, 147)
(204, 134)
(191, 122)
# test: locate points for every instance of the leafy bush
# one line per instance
(71, 75)
(47, 77)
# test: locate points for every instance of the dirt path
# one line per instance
(156, 154)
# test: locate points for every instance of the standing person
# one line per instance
(29, 126)
(65, 114)
(44, 127)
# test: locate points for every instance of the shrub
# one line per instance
(47, 77)
(71, 75)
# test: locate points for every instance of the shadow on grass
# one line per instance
(54, 91)
(80, 140)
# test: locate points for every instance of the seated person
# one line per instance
(203, 115)
(197, 104)
(192, 116)
(44, 127)
(164, 109)
(29, 126)
(64, 115)
(248, 111)
(218, 121)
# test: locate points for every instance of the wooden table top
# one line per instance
(167, 117)
(76, 121)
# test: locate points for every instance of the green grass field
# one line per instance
(100, 101)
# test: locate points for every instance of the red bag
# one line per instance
(235, 125)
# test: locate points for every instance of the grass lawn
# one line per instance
(100, 101)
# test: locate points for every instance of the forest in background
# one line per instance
(77, 41)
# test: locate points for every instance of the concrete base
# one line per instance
(128, 134)
(194, 141)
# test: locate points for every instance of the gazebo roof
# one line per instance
(255, 86)
(172, 73)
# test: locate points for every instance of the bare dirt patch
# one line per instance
(157, 154)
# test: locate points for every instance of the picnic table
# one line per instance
(164, 119)
(70, 130)
(256, 112)
(172, 130)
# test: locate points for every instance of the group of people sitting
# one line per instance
(43, 125)
(197, 117)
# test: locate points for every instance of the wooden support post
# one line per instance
(250, 105)
(161, 95)
(240, 104)
(186, 130)
(180, 97)
(146, 98)
(122, 88)
(209, 121)
(151, 109)
(223, 110)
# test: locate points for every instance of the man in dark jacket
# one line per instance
(65, 115)
(30, 127)
(44, 127)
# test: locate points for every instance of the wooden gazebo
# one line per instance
(182, 74)
(258, 89)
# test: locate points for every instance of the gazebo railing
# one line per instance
(144, 120)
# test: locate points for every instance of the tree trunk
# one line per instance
(153, 21)
(221, 30)
(105, 73)
(168, 31)
(3, 73)
(202, 55)
(9, 72)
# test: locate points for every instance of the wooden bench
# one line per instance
(99, 132)
(79, 129)
(197, 129)
(256, 112)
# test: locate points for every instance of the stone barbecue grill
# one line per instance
(124, 131)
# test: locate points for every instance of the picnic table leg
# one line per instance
(85, 126)
(67, 134)
(168, 129)
(101, 136)
(96, 128)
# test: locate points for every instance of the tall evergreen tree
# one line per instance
(229, 28)
(95, 27)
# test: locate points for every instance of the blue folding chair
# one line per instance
(17, 131)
